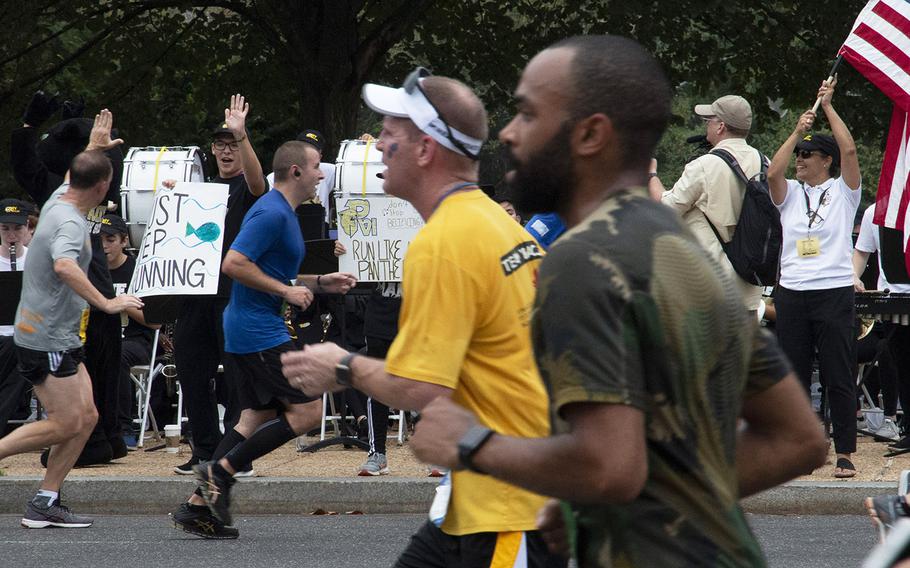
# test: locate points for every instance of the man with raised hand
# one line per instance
(198, 335)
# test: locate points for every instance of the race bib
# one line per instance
(808, 247)
(440, 506)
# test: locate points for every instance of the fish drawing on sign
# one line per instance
(207, 233)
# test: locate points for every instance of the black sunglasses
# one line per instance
(804, 154)
(411, 82)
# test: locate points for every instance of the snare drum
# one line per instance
(180, 163)
(354, 160)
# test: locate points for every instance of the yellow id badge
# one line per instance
(808, 247)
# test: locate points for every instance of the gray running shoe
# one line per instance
(376, 464)
(39, 515)
(885, 510)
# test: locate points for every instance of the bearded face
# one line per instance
(545, 180)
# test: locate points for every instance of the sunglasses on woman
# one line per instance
(804, 154)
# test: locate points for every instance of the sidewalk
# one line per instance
(289, 482)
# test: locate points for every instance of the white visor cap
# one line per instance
(415, 106)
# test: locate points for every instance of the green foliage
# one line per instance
(167, 68)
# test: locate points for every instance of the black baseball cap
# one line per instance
(14, 211)
(223, 130)
(313, 137)
(113, 225)
(822, 143)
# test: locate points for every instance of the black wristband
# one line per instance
(470, 444)
(318, 278)
(344, 376)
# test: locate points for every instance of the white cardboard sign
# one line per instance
(376, 231)
(181, 250)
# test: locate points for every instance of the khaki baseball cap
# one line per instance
(733, 110)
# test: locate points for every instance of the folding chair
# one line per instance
(402, 425)
(144, 377)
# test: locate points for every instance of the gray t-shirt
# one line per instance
(51, 316)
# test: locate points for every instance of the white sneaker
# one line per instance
(888, 430)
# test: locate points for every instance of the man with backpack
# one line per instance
(709, 195)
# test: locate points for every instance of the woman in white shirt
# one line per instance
(814, 298)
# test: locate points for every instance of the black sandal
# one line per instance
(846, 467)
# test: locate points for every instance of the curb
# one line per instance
(294, 495)
(817, 498)
(267, 495)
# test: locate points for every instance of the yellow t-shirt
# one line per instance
(467, 294)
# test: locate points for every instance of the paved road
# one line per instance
(351, 541)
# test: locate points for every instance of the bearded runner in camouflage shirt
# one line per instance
(669, 404)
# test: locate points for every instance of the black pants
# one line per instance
(899, 348)
(432, 548)
(198, 348)
(134, 351)
(823, 320)
(14, 391)
(102, 360)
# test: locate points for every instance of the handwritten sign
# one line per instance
(181, 249)
(376, 231)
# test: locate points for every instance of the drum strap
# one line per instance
(157, 163)
(366, 152)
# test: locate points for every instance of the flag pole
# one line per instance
(834, 67)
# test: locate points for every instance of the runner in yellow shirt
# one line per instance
(468, 289)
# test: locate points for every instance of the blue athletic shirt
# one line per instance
(270, 237)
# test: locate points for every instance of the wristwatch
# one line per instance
(470, 443)
(343, 375)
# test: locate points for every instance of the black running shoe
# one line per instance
(216, 489)
(39, 514)
(187, 468)
(198, 520)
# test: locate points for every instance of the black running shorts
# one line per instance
(432, 548)
(262, 386)
(35, 366)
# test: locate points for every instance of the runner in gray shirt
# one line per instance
(52, 312)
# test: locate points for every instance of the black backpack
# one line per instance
(754, 249)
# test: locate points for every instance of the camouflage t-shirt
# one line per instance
(631, 311)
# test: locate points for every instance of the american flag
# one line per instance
(879, 47)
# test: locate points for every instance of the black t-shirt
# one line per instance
(121, 277)
(239, 202)
(383, 307)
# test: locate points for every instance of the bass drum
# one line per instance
(356, 167)
(145, 167)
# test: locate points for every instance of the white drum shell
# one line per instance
(350, 164)
(180, 163)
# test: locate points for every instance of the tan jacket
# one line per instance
(709, 187)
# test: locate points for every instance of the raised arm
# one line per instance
(777, 169)
(235, 119)
(849, 162)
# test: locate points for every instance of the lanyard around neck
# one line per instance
(810, 213)
(455, 189)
